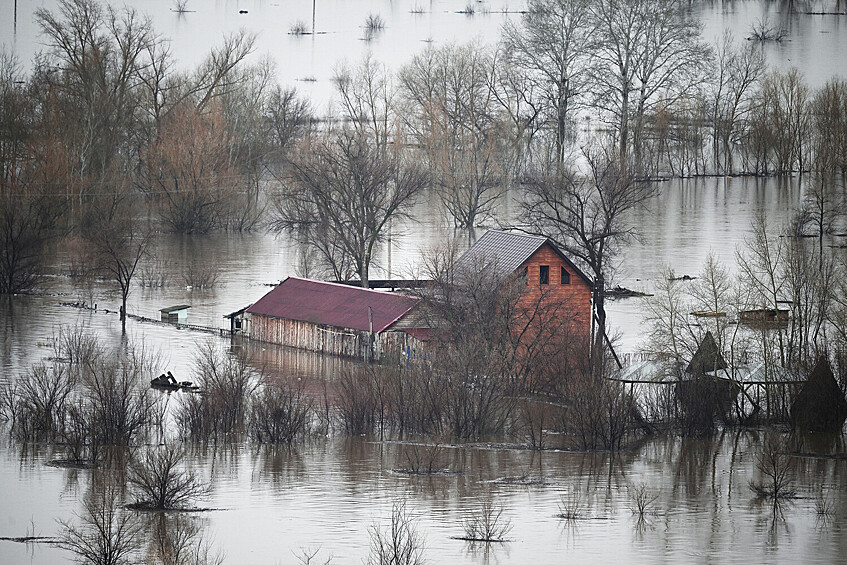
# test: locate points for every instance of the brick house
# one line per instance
(552, 280)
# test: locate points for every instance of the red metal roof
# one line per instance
(333, 304)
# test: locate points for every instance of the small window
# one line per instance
(524, 276)
(566, 276)
(544, 274)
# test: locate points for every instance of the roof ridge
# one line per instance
(350, 286)
(519, 234)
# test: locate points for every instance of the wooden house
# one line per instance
(552, 281)
(332, 318)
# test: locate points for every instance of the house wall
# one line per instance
(572, 300)
(325, 339)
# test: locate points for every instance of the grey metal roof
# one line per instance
(505, 252)
(500, 250)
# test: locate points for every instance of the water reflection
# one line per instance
(333, 490)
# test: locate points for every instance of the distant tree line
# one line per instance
(105, 128)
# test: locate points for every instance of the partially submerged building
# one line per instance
(175, 314)
(550, 277)
(332, 318)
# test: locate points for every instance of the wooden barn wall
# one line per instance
(326, 339)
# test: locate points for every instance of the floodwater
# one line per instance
(269, 504)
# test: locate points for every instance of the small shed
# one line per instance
(820, 405)
(175, 314)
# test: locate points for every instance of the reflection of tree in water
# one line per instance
(180, 539)
(282, 466)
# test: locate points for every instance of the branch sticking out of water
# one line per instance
(761, 30)
(487, 525)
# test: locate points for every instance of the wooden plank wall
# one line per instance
(324, 339)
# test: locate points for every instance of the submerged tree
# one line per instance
(586, 217)
(118, 237)
(188, 170)
(552, 46)
(29, 215)
(455, 116)
(342, 188)
(105, 533)
(101, 54)
(160, 481)
(645, 52)
(342, 193)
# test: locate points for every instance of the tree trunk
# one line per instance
(599, 337)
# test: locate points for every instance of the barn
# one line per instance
(551, 278)
(333, 318)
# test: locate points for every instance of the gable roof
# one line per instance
(707, 357)
(506, 251)
(331, 304)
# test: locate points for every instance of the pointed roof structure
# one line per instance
(707, 358)
(820, 405)
(506, 251)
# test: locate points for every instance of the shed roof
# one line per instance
(332, 304)
(506, 251)
(174, 309)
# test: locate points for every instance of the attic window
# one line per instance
(566, 276)
(524, 276)
(544, 274)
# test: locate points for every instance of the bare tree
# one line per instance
(669, 337)
(105, 533)
(455, 114)
(782, 123)
(279, 413)
(397, 544)
(739, 71)
(552, 46)
(228, 382)
(366, 98)
(586, 217)
(830, 120)
(774, 467)
(29, 215)
(821, 210)
(160, 481)
(343, 188)
(760, 262)
(486, 524)
(101, 53)
(188, 171)
(215, 76)
(117, 401)
(289, 118)
(118, 237)
(342, 193)
(645, 51)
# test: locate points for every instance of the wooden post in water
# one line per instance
(313, 16)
